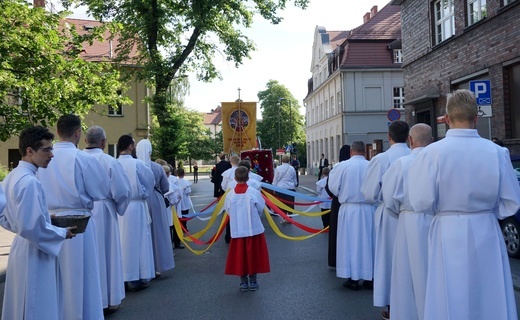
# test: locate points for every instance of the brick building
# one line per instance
(448, 43)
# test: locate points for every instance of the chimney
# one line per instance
(366, 17)
(373, 11)
(39, 4)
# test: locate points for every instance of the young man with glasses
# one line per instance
(32, 282)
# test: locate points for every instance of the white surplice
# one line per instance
(244, 210)
(174, 195)
(161, 240)
(107, 228)
(355, 239)
(32, 288)
(410, 258)
(228, 178)
(134, 225)
(322, 193)
(467, 182)
(72, 182)
(185, 203)
(384, 224)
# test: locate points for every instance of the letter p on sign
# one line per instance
(482, 91)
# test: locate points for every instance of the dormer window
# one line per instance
(398, 55)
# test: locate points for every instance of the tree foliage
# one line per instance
(281, 118)
(176, 37)
(41, 73)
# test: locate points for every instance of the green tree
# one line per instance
(42, 75)
(175, 37)
(281, 119)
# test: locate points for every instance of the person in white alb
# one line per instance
(134, 225)
(355, 244)
(322, 193)
(73, 181)
(467, 183)
(285, 178)
(228, 178)
(384, 224)
(32, 284)
(105, 213)
(161, 240)
(409, 264)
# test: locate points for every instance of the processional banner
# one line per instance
(238, 126)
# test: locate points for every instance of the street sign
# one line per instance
(393, 114)
(280, 152)
(482, 91)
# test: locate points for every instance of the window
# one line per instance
(327, 113)
(333, 108)
(112, 150)
(506, 2)
(116, 110)
(398, 97)
(444, 20)
(476, 11)
(398, 55)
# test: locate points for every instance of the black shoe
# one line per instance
(368, 285)
(227, 239)
(179, 246)
(110, 310)
(351, 284)
(139, 287)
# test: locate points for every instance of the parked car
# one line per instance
(511, 225)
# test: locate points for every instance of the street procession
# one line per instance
(385, 184)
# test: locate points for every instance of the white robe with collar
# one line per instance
(107, 228)
(384, 224)
(467, 182)
(410, 257)
(134, 225)
(355, 239)
(72, 182)
(32, 289)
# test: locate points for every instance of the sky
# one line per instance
(284, 53)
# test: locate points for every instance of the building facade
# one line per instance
(133, 119)
(459, 44)
(356, 79)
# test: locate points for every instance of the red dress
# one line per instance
(247, 255)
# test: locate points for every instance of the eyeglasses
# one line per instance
(46, 150)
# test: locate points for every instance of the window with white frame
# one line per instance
(398, 55)
(398, 97)
(112, 150)
(476, 11)
(327, 115)
(444, 20)
(332, 106)
(116, 110)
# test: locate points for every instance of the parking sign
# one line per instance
(482, 91)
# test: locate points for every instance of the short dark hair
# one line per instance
(33, 137)
(180, 172)
(124, 142)
(245, 163)
(68, 124)
(398, 131)
(241, 174)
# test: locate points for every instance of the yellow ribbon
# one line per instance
(276, 230)
(284, 207)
